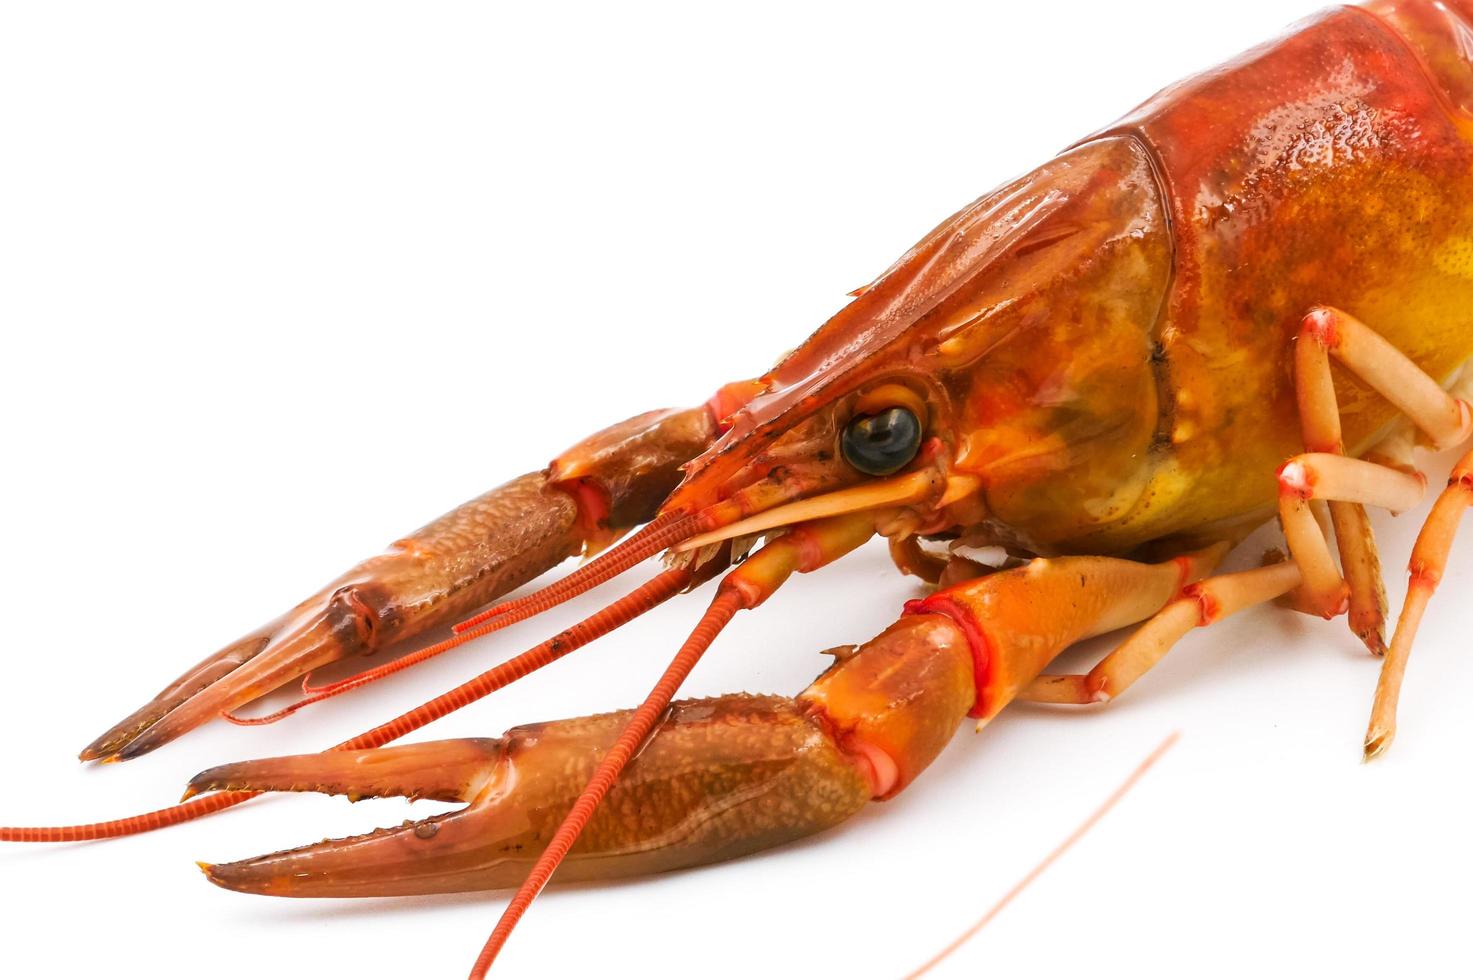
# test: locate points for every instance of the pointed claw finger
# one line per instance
(418, 858)
(477, 552)
(204, 674)
(337, 623)
(427, 856)
(452, 770)
(436, 576)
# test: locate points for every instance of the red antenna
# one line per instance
(1054, 855)
(728, 603)
(653, 538)
(616, 614)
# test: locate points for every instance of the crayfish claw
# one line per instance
(326, 628)
(418, 857)
(452, 566)
(720, 778)
(110, 745)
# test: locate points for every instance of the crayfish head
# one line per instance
(1006, 368)
(882, 447)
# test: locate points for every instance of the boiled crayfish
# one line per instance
(1249, 297)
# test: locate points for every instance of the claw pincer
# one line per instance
(720, 778)
(436, 576)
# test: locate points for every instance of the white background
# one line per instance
(280, 282)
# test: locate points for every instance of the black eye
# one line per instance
(881, 444)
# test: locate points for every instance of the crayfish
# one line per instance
(1249, 299)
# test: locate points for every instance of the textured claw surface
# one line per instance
(720, 778)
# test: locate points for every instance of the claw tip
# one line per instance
(98, 751)
(135, 748)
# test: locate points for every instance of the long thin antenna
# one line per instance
(144, 822)
(662, 587)
(1054, 855)
(726, 605)
(362, 678)
(654, 537)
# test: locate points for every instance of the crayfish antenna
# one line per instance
(649, 595)
(638, 602)
(482, 549)
(804, 548)
(697, 538)
(128, 826)
(659, 534)
(325, 692)
(652, 539)
(728, 603)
